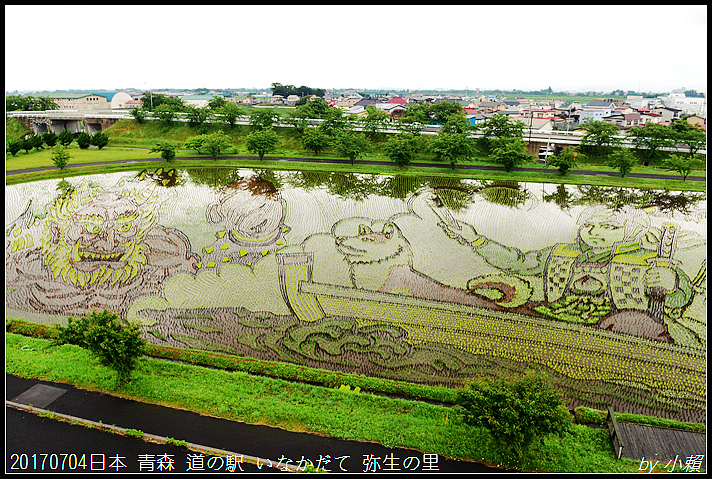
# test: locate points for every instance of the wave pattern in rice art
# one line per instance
(438, 281)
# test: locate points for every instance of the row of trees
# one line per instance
(501, 138)
(602, 142)
(64, 138)
(302, 91)
(29, 103)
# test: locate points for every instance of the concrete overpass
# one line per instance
(72, 120)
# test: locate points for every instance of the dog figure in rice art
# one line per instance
(380, 259)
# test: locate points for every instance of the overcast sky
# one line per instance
(580, 48)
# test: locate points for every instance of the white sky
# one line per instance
(641, 47)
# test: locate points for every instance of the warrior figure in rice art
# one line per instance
(617, 275)
(97, 249)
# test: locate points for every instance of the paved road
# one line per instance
(32, 436)
(376, 162)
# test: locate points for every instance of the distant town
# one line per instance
(541, 110)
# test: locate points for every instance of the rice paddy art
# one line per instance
(425, 280)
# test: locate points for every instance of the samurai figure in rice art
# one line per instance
(618, 275)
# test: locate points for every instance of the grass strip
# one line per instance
(236, 395)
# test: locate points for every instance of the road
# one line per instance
(30, 438)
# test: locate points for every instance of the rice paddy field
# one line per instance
(429, 280)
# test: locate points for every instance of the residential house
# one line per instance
(595, 111)
(398, 100)
(492, 106)
(292, 100)
(352, 99)
(667, 114)
(624, 109)
(393, 109)
(475, 118)
(697, 120)
(133, 104)
(366, 102)
(569, 109)
(277, 100)
(540, 113)
(623, 120)
(357, 110)
(649, 118)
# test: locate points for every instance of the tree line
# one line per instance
(501, 137)
(302, 91)
(29, 103)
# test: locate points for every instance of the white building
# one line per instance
(688, 105)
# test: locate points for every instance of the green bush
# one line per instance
(117, 344)
(167, 150)
(586, 415)
(515, 412)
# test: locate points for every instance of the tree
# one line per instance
(440, 112)
(50, 138)
(217, 103)
(691, 136)
(457, 123)
(229, 113)
(650, 139)
(622, 161)
(139, 114)
(167, 150)
(28, 143)
(453, 147)
(214, 143)
(36, 141)
(197, 116)
(262, 118)
(502, 126)
(261, 141)
(564, 161)
(165, 113)
(100, 139)
(516, 412)
(401, 148)
(29, 103)
(83, 140)
(510, 153)
(60, 156)
(600, 139)
(14, 147)
(315, 140)
(116, 343)
(682, 165)
(314, 108)
(194, 143)
(334, 123)
(65, 138)
(498, 127)
(151, 101)
(352, 145)
(374, 122)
